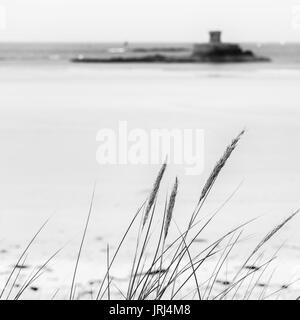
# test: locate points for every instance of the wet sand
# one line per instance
(50, 115)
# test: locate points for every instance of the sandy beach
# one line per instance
(49, 118)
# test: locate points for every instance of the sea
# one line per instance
(51, 111)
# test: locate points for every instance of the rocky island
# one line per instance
(214, 51)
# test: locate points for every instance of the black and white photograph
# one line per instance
(149, 150)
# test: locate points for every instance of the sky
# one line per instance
(149, 20)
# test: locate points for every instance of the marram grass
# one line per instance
(173, 267)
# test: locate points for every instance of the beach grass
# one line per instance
(168, 267)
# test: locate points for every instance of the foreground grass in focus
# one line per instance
(173, 270)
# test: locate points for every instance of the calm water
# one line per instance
(51, 111)
(281, 54)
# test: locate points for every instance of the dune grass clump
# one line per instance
(168, 267)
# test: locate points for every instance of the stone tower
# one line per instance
(215, 37)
